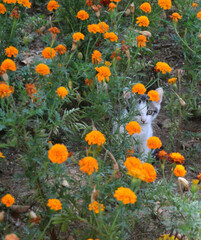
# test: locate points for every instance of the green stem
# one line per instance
(13, 27)
(44, 231)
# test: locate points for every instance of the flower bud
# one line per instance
(127, 12)
(5, 77)
(146, 33)
(182, 102)
(70, 84)
(132, 7)
(32, 215)
(80, 56)
(184, 182)
(2, 216)
(199, 36)
(74, 45)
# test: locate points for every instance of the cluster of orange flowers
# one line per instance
(8, 200)
(163, 67)
(172, 157)
(11, 51)
(125, 195)
(143, 21)
(139, 88)
(141, 41)
(62, 92)
(61, 49)
(58, 153)
(49, 53)
(83, 15)
(95, 137)
(165, 4)
(8, 64)
(111, 36)
(88, 165)
(179, 171)
(77, 36)
(54, 204)
(96, 57)
(52, 5)
(25, 3)
(5, 90)
(96, 207)
(101, 27)
(154, 143)
(133, 127)
(153, 95)
(103, 73)
(146, 7)
(42, 69)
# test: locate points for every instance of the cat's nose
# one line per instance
(143, 121)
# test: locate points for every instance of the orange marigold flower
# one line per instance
(9, 1)
(30, 89)
(137, 173)
(146, 7)
(172, 80)
(103, 72)
(177, 158)
(54, 30)
(199, 176)
(103, 27)
(8, 200)
(141, 41)
(62, 92)
(111, 36)
(5, 90)
(162, 155)
(179, 171)
(48, 53)
(116, 1)
(58, 153)
(94, 28)
(11, 51)
(1, 155)
(96, 207)
(8, 64)
(154, 142)
(11, 236)
(139, 88)
(83, 15)
(95, 137)
(88, 82)
(54, 204)
(52, 5)
(96, 57)
(42, 69)
(149, 172)
(61, 49)
(153, 95)
(132, 163)
(175, 16)
(2, 8)
(133, 127)
(14, 13)
(125, 195)
(25, 3)
(199, 15)
(88, 165)
(112, 6)
(194, 5)
(89, 3)
(163, 67)
(165, 4)
(143, 21)
(77, 36)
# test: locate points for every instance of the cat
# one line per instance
(147, 112)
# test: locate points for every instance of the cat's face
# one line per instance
(148, 111)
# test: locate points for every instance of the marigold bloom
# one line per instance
(105, 2)
(175, 16)
(89, 3)
(52, 5)
(30, 89)
(137, 173)
(111, 36)
(146, 7)
(112, 6)
(2, 8)
(177, 158)
(8, 64)
(103, 27)
(83, 15)
(88, 165)
(96, 57)
(116, 1)
(167, 237)
(61, 49)
(48, 53)
(94, 28)
(11, 51)
(95, 137)
(143, 21)
(194, 5)
(25, 3)
(199, 15)
(162, 155)
(54, 204)
(5, 91)
(62, 92)
(103, 72)
(54, 30)
(77, 36)
(133, 127)
(179, 171)
(154, 142)
(14, 13)
(132, 163)
(199, 176)
(42, 69)
(9, 1)
(1, 155)
(11, 236)
(195, 182)
(125, 195)
(58, 153)
(96, 207)
(88, 82)
(139, 88)
(153, 95)
(108, 64)
(172, 80)
(149, 172)
(165, 4)
(163, 67)
(141, 41)
(8, 200)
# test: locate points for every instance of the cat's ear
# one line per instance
(160, 92)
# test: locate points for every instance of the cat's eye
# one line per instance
(149, 112)
(139, 101)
